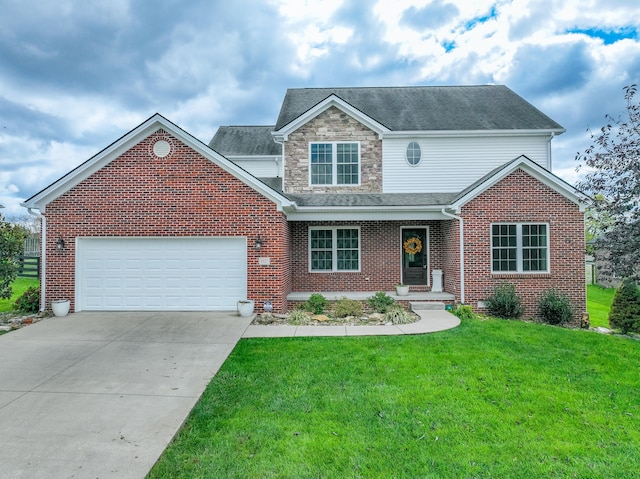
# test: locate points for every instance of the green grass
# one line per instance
(598, 304)
(490, 398)
(20, 285)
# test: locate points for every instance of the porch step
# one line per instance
(423, 305)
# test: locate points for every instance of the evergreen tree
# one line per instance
(625, 309)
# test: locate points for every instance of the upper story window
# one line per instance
(335, 163)
(519, 248)
(414, 154)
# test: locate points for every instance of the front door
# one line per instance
(415, 268)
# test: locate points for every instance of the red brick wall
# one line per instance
(183, 194)
(380, 255)
(521, 198)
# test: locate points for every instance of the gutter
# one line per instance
(43, 259)
(461, 223)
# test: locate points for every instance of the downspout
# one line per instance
(43, 258)
(551, 137)
(461, 223)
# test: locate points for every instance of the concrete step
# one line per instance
(424, 305)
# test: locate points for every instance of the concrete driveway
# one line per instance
(99, 395)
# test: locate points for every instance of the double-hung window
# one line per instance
(334, 249)
(334, 163)
(520, 248)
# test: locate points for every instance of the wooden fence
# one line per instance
(29, 266)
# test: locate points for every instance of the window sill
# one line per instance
(531, 275)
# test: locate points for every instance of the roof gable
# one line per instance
(427, 108)
(530, 167)
(117, 148)
(330, 101)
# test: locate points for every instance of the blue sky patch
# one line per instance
(475, 21)
(608, 36)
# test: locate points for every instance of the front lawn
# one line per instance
(491, 398)
(20, 285)
(599, 301)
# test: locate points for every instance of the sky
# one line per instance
(76, 75)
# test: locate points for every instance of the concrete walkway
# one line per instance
(101, 395)
(430, 321)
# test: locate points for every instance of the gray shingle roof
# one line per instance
(484, 107)
(373, 199)
(245, 141)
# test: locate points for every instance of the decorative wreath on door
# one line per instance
(413, 245)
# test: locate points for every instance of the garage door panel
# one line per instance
(161, 273)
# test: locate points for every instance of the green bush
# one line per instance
(347, 307)
(504, 302)
(380, 302)
(397, 315)
(463, 312)
(555, 307)
(298, 316)
(625, 308)
(29, 302)
(316, 303)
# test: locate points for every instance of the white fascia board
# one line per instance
(536, 171)
(470, 133)
(254, 157)
(365, 214)
(333, 100)
(117, 148)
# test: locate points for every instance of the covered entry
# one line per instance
(415, 255)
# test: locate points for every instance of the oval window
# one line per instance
(413, 153)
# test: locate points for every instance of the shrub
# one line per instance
(298, 316)
(625, 308)
(396, 315)
(504, 302)
(29, 302)
(316, 303)
(555, 307)
(463, 312)
(380, 302)
(347, 307)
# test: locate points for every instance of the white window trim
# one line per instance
(519, 260)
(406, 154)
(334, 164)
(334, 265)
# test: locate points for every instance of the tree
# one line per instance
(612, 178)
(625, 308)
(11, 244)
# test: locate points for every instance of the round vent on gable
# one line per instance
(161, 148)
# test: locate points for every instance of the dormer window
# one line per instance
(334, 163)
(414, 154)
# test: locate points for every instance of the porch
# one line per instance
(413, 296)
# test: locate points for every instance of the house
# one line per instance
(353, 190)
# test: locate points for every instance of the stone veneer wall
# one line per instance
(332, 125)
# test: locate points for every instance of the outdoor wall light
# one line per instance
(60, 244)
(258, 242)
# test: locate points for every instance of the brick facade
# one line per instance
(520, 198)
(380, 256)
(332, 125)
(183, 194)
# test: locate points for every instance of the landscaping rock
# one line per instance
(603, 330)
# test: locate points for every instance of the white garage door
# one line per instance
(152, 274)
